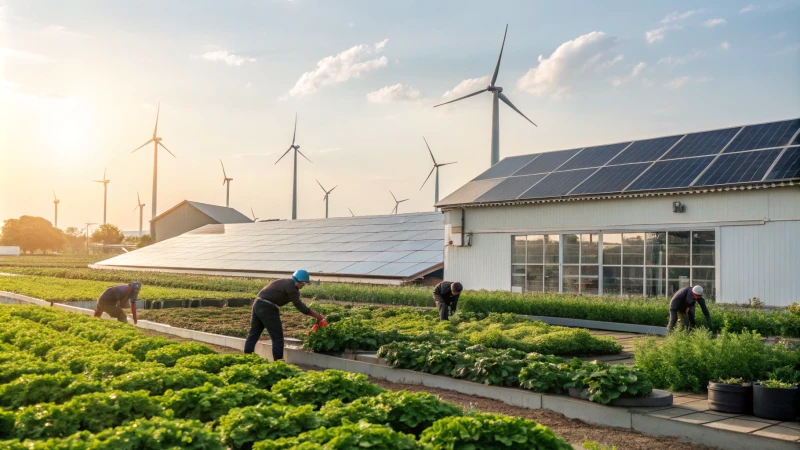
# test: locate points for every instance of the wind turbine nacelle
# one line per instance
(157, 139)
(495, 88)
(296, 147)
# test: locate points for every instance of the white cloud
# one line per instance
(676, 16)
(611, 62)
(710, 23)
(725, 45)
(679, 82)
(62, 31)
(216, 53)
(351, 63)
(467, 87)
(24, 56)
(394, 93)
(748, 8)
(657, 34)
(673, 61)
(247, 86)
(8, 84)
(555, 74)
(635, 72)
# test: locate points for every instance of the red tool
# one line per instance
(321, 323)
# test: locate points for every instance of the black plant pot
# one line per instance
(775, 403)
(730, 398)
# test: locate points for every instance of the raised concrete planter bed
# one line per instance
(655, 399)
(598, 325)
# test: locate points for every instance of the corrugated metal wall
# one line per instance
(184, 218)
(761, 261)
(485, 265)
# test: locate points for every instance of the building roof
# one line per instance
(749, 155)
(399, 247)
(219, 214)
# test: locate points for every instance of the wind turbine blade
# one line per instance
(426, 179)
(304, 156)
(447, 164)
(429, 150)
(155, 130)
(98, 181)
(351, 212)
(54, 196)
(403, 200)
(395, 198)
(320, 185)
(104, 173)
(284, 154)
(134, 208)
(461, 98)
(508, 102)
(294, 135)
(151, 140)
(253, 213)
(333, 189)
(223, 170)
(138, 200)
(165, 148)
(394, 209)
(497, 67)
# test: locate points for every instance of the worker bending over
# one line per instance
(683, 303)
(445, 295)
(115, 298)
(266, 312)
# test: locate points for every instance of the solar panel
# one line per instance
(510, 188)
(699, 144)
(547, 162)
(671, 174)
(738, 168)
(506, 167)
(766, 135)
(611, 179)
(594, 156)
(647, 150)
(788, 165)
(557, 184)
(470, 191)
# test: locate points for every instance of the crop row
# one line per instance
(73, 382)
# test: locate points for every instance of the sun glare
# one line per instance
(65, 126)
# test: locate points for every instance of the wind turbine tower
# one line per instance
(226, 180)
(327, 194)
(296, 149)
(497, 96)
(139, 205)
(436, 168)
(156, 142)
(56, 201)
(396, 203)
(105, 193)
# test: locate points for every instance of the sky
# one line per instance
(80, 82)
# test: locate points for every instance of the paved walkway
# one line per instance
(622, 338)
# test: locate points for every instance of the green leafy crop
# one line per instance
(345, 437)
(170, 354)
(490, 432)
(262, 375)
(317, 388)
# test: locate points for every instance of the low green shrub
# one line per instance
(262, 375)
(776, 384)
(345, 437)
(139, 347)
(7, 419)
(157, 380)
(170, 354)
(156, 433)
(214, 363)
(490, 432)
(242, 427)
(13, 370)
(350, 333)
(545, 376)
(207, 403)
(317, 388)
(53, 388)
(603, 382)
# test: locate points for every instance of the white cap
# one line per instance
(698, 290)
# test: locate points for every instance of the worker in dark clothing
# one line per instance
(266, 312)
(115, 298)
(445, 295)
(683, 303)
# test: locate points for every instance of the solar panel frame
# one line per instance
(702, 143)
(596, 156)
(647, 150)
(618, 176)
(737, 168)
(511, 187)
(765, 135)
(786, 167)
(547, 162)
(681, 172)
(557, 184)
(506, 167)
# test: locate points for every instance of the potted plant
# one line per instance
(730, 395)
(777, 397)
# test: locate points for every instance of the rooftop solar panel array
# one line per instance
(395, 246)
(747, 154)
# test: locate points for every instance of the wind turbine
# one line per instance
(226, 180)
(436, 168)
(351, 212)
(156, 142)
(327, 194)
(139, 205)
(255, 219)
(105, 193)
(296, 149)
(497, 94)
(88, 224)
(56, 201)
(396, 203)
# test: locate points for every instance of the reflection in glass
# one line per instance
(535, 249)
(572, 248)
(518, 270)
(551, 278)
(518, 250)
(612, 249)
(656, 282)
(535, 279)
(632, 280)
(611, 277)
(551, 249)
(589, 248)
(518, 282)
(656, 249)
(589, 280)
(705, 278)
(678, 277)
(703, 248)
(633, 249)
(678, 248)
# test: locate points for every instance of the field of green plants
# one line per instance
(71, 276)
(73, 382)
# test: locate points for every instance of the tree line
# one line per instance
(36, 234)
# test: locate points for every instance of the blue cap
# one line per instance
(300, 276)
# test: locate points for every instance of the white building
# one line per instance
(718, 208)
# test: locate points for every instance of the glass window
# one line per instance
(678, 248)
(703, 248)
(518, 270)
(571, 279)
(518, 283)
(551, 249)
(535, 279)
(589, 248)
(705, 278)
(572, 248)
(678, 278)
(611, 277)
(535, 249)
(656, 281)
(633, 249)
(612, 249)
(632, 280)
(518, 250)
(589, 280)
(656, 249)
(551, 282)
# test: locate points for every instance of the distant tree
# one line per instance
(31, 234)
(131, 240)
(145, 240)
(76, 239)
(107, 234)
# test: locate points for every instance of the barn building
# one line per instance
(188, 215)
(718, 208)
